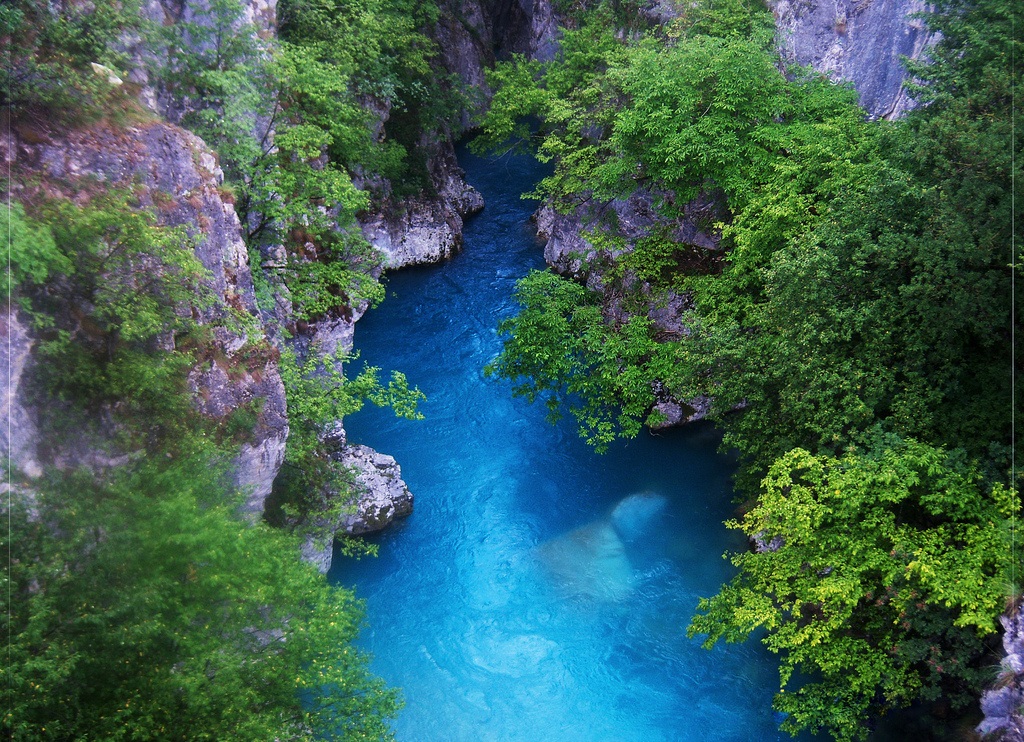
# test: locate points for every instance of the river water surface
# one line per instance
(539, 591)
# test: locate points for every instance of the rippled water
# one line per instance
(539, 591)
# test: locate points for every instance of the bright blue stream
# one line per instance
(539, 591)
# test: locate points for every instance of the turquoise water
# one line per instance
(539, 591)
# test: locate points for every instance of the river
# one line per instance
(539, 591)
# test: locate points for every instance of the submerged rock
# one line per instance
(633, 516)
(588, 562)
(591, 561)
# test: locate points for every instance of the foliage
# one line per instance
(893, 566)
(139, 606)
(559, 348)
(575, 100)
(375, 51)
(870, 314)
(314, 489)
(858, 327)
(715, 128)
(33, 252)
(131, 272)
(293, 120)
(156, 615)
(103, 283)
(214, 67)
(51, 50)
(317, 287)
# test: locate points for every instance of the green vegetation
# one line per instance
(852, 329)
(136, 603)
(60, 57)
(314, 87)
(562, 349)
(293, 121)
(885, 586)
(156, 615)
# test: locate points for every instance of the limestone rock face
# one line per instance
(856, 40)
(679, 413)
(19, 436)
(569, 253)
(180, 180)
(1003, 705)
(383, 494)
(175, 174)
(422, 229)
(258, 18)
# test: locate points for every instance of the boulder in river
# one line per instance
(382, 493)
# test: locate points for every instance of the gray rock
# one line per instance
(463, 34)
(568, 252)
(177, 176)
(1003, 705)
(763, 545)
(255, 469)
(318, 553)
(857, 40)
(425, 229)
(382, 493)
(680, 413)
(19, 434)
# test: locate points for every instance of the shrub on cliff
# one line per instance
(62, 57)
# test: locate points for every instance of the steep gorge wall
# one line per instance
(862, 41)
(175, 174)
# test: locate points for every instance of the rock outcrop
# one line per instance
(1003, 705)
(173, 172)
(857, 40)
(19, 435)
(569, 253)
(425, 228)
(379, 495)
(382, 493)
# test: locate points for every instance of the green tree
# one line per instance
(891, 568)
(143, 609)
(856, 327)
(561, 349)
(33, 252)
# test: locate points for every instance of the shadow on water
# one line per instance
(539, 591)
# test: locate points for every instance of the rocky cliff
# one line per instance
(862, 41)
(1003, 704)
(173, 173)
(427, 229)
